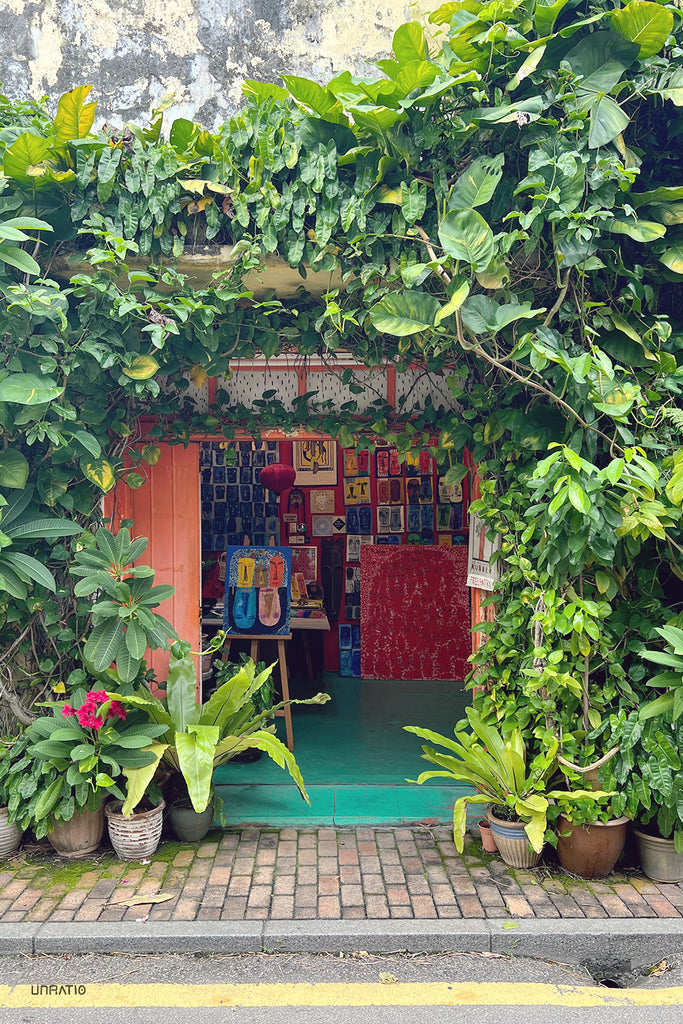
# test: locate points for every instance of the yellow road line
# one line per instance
(333, 994)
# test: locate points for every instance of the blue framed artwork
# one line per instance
(257, 591)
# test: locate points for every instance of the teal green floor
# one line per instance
(355, 758)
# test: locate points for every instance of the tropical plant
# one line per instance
(77, 756)
(197, 738)
(124, 624)
(495, 764)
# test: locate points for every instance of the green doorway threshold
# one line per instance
(355, 758)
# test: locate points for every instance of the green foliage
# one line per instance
(124, 624)
(501, 200)
(197, 738)
(495, 765)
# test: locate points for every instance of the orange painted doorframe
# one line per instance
(166, 510)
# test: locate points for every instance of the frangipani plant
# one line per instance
(495, 765)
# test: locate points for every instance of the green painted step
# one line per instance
(355, 758)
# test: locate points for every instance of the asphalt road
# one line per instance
(120, 988)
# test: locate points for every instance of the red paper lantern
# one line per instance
(277, 478)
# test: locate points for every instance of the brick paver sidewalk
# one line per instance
(325, 873)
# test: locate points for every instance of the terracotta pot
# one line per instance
(658, 858)
(488, 840)
(79, 836)
(137, 837)
(10, 835)
(590, 851)
(513, 842)
(190, 826)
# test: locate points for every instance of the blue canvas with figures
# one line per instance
(257, 591)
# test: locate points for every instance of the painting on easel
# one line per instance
(257, 591)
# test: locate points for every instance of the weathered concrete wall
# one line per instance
(136, 51)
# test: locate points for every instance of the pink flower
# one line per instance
(67, 711)
(98, 696)
(117, 710)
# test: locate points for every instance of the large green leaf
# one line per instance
(316, 98)
(30, 568)
(409, 43)
(196, 749)
(28, 389)
(476, 185)
(673, 258)
(638, 230)
(484, 316)
(607, 120)
(644, 23)
(466, 236)
(405, 313)
(181, 694)
(104, 643)
(23, 155)
(47, 528)
(546, 14)
(600, 60)
(138, 779)
(74, 117)
(13, 469)
(15, 257)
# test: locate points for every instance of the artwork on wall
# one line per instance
(322, 526)
(305, 561)
(315, 462)
(322, 503)
(257, 591)
(422, 592)
(357, 490)
(234, 503)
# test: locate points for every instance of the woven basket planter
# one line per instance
(137, 837)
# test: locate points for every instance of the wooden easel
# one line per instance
(286, 712)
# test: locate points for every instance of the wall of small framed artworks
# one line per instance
(341, 500)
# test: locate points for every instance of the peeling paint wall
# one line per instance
(136, 52)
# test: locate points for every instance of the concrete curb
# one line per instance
(606, 945)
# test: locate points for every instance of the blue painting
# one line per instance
(257, 591)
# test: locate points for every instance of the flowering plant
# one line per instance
(81, 752)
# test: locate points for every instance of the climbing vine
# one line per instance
(498, 204)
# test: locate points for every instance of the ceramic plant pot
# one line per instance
(190, 826)
(10, 835)
(137, 837)
(658, 858)
(590, 851)
(79, 836)
(488, 840)
(513, 842)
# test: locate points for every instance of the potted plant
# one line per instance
(589, 838)
(13, 763)
(648, 768)
(79, 754)
(197, 738)
(495, 765)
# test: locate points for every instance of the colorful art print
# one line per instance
(322, 526)
(390, 519)
(480, 572)
(350, 462)
(426, 493)
(443, 519)
(339, 524)
(449, 492)
(315, 462)
(257, 591)
(356, 463)
(322, 502)
(354, 543)
(445, 540)
(357, 490)
(412, 463)
(305, 561)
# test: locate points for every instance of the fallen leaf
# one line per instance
(510, 924)
(387, 979)
(137, 901)
(659, 969)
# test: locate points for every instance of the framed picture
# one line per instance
(305, 561)
(315, 462)
(322, 526)
(257, 591)
(322, 502)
